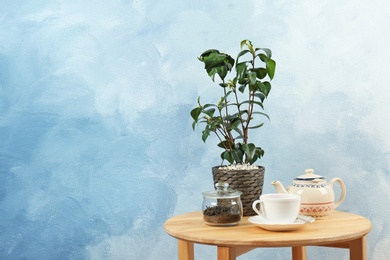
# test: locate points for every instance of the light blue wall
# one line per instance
(96, 145)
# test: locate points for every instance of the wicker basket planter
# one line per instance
(249, 182)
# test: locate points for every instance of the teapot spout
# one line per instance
(279, 187)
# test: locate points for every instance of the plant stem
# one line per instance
(224, 130)
(251, 104)
(240, 115)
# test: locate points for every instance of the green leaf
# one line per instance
(213, 59)
(249, 150)
(241, 69)
(264, 87)
(248, 43)
(205, 135)
(259, 154)
(241, 88)
(243, 80)
(208, 105)
(231, 117)
(260, 95)
(252, 78)
(271, 65)
(229, 62)
(206, 53)
(214, 123)
(261, 113)
(222, 71)
(202, 121)
(253, 159)
(237, 155)
(209, 112)
(256, 126)
(252, 102)
(221, 103)
(240, 135)
(242, 43)
(261, 72)
(225, 144)
(242, 53)
(235, 122)
(216, 63)
(267, 51)
(267, 88)
(263, 57)
(211, 73)
(227, 156)
(195, 113)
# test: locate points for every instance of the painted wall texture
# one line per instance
(96, 145)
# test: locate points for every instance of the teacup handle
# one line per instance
(343, 191)
(254, 207)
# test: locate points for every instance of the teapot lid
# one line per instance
(222, 192)
(309, 176)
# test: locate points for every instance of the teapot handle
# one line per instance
(343, 191)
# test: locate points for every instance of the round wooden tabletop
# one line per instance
(335, 228)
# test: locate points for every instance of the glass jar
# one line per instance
(222, 207)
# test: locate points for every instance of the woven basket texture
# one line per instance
(249, 182)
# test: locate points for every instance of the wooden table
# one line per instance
(339, 229)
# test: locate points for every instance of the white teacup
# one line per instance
(278, 208)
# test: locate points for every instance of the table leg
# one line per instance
(299, 253)
(185, 250)
(357, 249)
(226, 253)
(240, 250)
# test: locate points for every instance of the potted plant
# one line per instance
(239, 110)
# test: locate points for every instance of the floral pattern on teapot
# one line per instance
(299, 185)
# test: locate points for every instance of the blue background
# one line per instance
(96, 145)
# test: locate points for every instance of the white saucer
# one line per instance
(299, 223)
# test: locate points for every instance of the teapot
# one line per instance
(317, 196)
